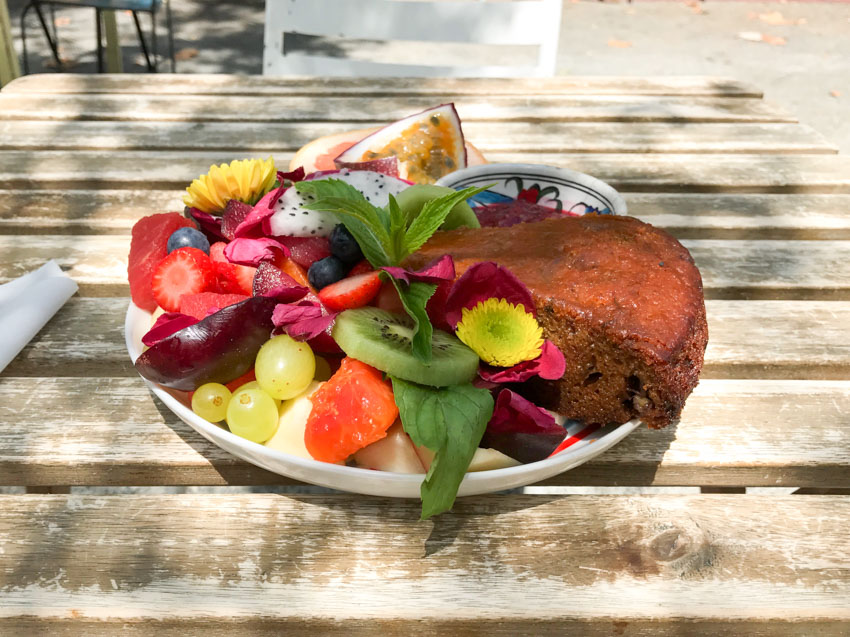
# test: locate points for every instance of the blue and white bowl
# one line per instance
(566, 190)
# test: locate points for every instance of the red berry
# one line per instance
(147, 249)
(217, 252)
(361, 268)
(353, 409)
(232, 278)
(351, 292)
(203, 304)
(184, 271)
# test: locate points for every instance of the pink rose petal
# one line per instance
(166, 325)
(482, 281)
(209, 225)
(303, 321)
(251, 252)
(439, 270)
(514, 414)
(549, 365)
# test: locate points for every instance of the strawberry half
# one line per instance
(184, 271)
(351, 292)
(233, 278)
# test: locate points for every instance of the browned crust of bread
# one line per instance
(621, 299)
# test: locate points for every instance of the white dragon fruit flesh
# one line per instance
(292, 218)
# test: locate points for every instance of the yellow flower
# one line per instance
(501, 333)
(245, 180)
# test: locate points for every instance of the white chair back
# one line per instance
(501, 23)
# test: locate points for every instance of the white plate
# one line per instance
(367, 481)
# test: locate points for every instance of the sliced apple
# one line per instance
(482, 460)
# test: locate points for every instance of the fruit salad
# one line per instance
(282, 308)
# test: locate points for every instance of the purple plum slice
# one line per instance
(218, 349)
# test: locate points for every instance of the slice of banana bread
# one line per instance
(621, 299)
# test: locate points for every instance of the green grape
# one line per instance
(252, 414)
(284, 367)
(255, 385)
(210, 401)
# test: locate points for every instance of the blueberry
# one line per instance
(344, 246)
(326, 271)
(187, 238)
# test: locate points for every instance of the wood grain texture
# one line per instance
(730, 269)
(212, 84)
(747, 339)
(732, 433)
(685, 215)
(729, 174)
(559, 137)
(354, 565)
(285, 108)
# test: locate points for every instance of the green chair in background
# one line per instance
(9, 68)
(101, 8)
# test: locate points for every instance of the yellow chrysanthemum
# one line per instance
(501, 333)
(245, 180)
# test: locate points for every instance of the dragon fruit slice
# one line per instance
(427, 145)
(291, 217)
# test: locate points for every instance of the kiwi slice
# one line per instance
(411, 200)
(383, 340)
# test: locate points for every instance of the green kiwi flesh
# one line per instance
(383, 340)
(411, 200)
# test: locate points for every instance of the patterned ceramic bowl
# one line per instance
(566, 190)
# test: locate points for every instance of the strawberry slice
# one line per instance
(232, 278)
(184, 271)
(217, 252)
(203, 304)
(351, 292)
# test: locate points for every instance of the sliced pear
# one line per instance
(396, 453)
(294, 413)
(482, 460)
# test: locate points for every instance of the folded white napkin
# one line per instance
(27, 303)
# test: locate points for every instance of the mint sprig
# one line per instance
(450, 421)
(384, 231)
(414, 297)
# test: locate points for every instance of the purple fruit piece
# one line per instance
(269, 277)
(218, 349)
(522, 430)
(234, 214)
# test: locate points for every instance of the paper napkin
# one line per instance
(27, 303)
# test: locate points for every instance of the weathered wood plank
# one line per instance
(212, 84)
(285, 108)
(729, 174)
(501, 564)
(732, 433)
(747, 339)
(685, 215)
(730, 269)
(611, 137)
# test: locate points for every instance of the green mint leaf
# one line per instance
(366, 223)
(398, 225)
(414, 297)
(432, 216)
(451, 422)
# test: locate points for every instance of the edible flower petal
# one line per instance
(522, 430)
(166, 325)
(483, 281)
(210, 225)
(255, 224)
(304, 320)
(549, 365)
(501, 333)
(246, 180)
(515, 414)
(251, 252)
(439, 270)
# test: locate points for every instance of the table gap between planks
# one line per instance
(760, 200)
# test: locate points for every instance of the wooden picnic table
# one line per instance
(761, 201)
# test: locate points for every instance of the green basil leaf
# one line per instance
(451, 422)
